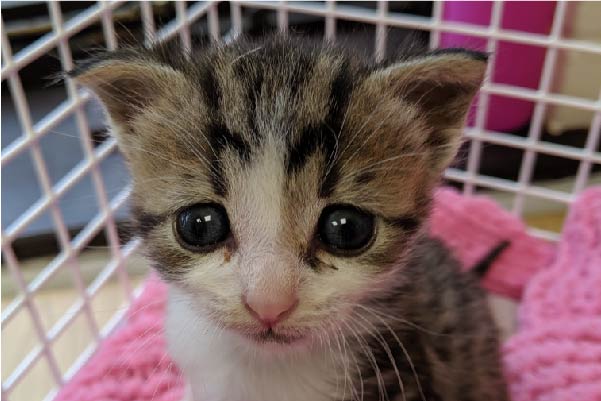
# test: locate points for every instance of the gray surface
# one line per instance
(62, 150)
(14, 4)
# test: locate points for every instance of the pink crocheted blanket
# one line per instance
(554, 356)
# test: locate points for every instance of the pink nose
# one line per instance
(269, 310)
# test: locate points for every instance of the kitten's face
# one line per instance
(279, 187)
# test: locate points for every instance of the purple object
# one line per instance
(515, 64)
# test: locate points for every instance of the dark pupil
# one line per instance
(203, 225)
(345, 227)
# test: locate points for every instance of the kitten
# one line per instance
(281, 189)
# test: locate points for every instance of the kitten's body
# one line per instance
(277, 136)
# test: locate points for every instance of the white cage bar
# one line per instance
(473, 160)
(187, 14)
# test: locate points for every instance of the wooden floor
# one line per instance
(19, 337)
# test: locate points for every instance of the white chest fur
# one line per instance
(220, 366)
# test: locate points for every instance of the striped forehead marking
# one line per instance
(321, 136)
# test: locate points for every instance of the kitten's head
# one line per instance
(279, 184)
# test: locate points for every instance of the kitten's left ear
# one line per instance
(442, 84)
(128, 80)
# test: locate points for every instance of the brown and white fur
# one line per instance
(274, 131)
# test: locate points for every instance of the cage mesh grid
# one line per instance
(186, 15)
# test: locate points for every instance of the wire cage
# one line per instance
(69, 126)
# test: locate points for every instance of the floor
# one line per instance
(53, 302)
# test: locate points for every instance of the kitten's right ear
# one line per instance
(442, 83)
(127, 83)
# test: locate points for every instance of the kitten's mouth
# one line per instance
(278, 336)
(269, 336)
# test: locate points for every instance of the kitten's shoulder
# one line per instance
(438, 282)
(429, 250)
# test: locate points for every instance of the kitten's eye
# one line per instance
(201, 226)
(344, 228)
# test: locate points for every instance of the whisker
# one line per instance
(375, 333)
(370, 356)
(406, 353)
